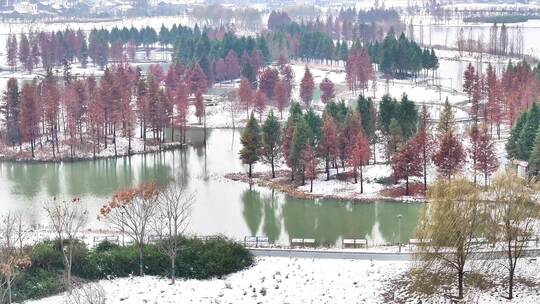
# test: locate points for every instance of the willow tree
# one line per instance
(513, 219)
(448, 228)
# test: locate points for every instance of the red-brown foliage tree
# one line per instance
(259, 102)
(306, 87)
(246, 94)
(327, 90)
(328, 143)
(406, 163)
(310, 166)
(30, 116)
(281, 97)
(267, 82)
(449, 156)
(359, 156)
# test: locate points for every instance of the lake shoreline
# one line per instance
(283, 184)
(69, 159)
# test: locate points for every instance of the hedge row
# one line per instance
(197, 259)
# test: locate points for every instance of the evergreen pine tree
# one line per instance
(407, 117)
(528, 134)
(251, 143)
(446, 119)
(271, 139)
(512, 143)
(534, 159)
(300, 140)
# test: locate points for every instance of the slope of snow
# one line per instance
(292, 280)
(272, 280)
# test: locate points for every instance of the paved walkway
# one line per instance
(331, 254)
(376, 256)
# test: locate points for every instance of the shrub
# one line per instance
(36, 283)
(196, 259)
(45, 256)
(105, 246)
(202, 260)
(120, 261)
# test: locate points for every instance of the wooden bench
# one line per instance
(354, 243)
(206, 238)
(416, 242)
(308, 242)
(256, 241)
(479, 241)
(527, 240)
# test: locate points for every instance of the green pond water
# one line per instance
(221, 206)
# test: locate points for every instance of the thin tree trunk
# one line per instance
(460, 284)
(327, 168)
(141, 259)
(173, 270)
(361, 180)
(273, 171)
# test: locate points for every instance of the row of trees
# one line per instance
(524, 140)
(445, 150)
(402, 56)
(500, 100)
(307, 138)
(88, 115)
(342, 138)
(349, 25)
(103, 45)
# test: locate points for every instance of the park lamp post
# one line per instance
(399, 231)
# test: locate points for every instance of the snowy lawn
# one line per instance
(272, 280)
(291, 280)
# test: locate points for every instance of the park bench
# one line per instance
(479, 241)
(531, 240)
(298, 242)
(354, 243)
(416, 242)
(256, 241)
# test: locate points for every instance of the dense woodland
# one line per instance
(341, 138)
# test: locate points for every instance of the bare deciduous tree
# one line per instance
(172, 219)
(67, 219)
(131, 211)
(11, 259)
(232, 105)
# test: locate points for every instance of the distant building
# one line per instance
(26, 8)
(521, 167)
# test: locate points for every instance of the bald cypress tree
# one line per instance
(251, 143)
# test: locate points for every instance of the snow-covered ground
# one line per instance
(271, 280)
(292, 280)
